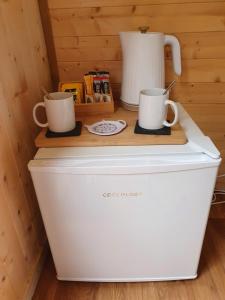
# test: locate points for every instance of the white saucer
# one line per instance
(106, 127)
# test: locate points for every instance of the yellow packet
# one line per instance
(76, 88)
(88, 81)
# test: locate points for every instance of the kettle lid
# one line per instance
(143, 29)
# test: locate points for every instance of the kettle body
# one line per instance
(144, 64)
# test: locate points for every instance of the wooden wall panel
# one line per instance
(194, 46)
(199, 93)
(85, 35)
(199, 70)
(24, 69)
(170, 18)
(102, 3)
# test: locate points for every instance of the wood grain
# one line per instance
(209, 284)
(199, 70)
(24, 68)
(126, 138)
(47, 29)
(170, 18)
(194, 46)
(199, 93)
(103, 3)
(192, 93)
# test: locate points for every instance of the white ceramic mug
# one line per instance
(153, 109)
(59, 110)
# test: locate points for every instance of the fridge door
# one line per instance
(125, 219)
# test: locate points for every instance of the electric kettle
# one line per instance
(144, 63)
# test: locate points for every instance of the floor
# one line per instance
(210, 284)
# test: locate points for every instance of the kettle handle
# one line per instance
(175, 45)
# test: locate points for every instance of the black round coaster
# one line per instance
(162, 131)
(75, 132)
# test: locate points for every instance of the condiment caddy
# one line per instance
(94, 95)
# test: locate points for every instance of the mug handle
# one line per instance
(124, 123)
(175, 110)
(34, 115)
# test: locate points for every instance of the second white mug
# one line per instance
(153, 109)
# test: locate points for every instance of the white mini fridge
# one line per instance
(127, 213)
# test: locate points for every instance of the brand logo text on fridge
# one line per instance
(122, 194)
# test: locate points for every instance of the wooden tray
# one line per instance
(125, 138)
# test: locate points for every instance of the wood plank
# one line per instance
(6, 289)
(199, 70)
(205, 287)
(169, 18)
(126, 137)
(91, 48)
(196, 70)
(103, 3)
(87, 54)
(201, 45)
(47, 279)
(217, 266)
(192, 93)
(199, 93)
(12, 256)
(24, 68)
(208, 114)
(69, 71)
(112, 25)
(36, 272)
(168, 9)
(17, 81)
(38, 49)
(75, 42)
(217, 211)
(13, 191)
(47, 28)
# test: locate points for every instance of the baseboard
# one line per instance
(37, 269)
